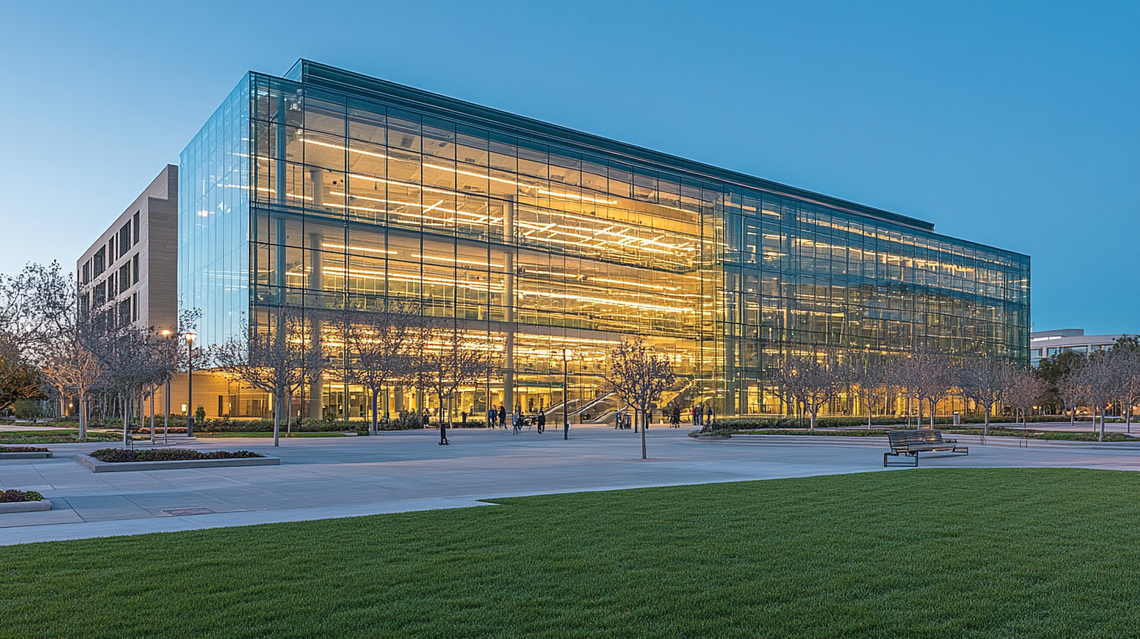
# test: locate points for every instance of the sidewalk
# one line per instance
(403, 471)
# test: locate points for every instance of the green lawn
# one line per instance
(925, 553)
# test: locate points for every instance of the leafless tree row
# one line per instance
(379, 350)
(48, 349)
(925, 378)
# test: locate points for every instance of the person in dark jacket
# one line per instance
(502, 417)
(541, 422)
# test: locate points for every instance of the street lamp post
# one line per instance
(190, 337)
(566, 355)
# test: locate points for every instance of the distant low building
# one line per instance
(1044, 344)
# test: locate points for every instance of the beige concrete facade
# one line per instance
(132, 268)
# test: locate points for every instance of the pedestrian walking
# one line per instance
(502, 417)
(516, 420)
(676, 418)
(708, 415)
(541, 422)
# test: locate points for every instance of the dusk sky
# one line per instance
(1010, 124)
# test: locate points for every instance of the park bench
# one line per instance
(913, 442)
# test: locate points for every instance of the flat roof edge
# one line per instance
(341, 79)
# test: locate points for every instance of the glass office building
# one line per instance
(327, 189)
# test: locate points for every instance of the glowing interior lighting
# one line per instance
(356, 249)
(602, 300)
(559, 194)
(456, 261)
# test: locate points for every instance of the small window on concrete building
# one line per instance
(136, 238)
(135, 268)
(124, 239)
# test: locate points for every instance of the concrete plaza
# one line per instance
(405, 471)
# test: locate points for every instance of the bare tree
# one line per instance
(1072, 393)
(639, 375)
(810, 383)
(1022, 391)
(451, 359)
(72, 367)
(1096, 378)
(277, 361)
(1125, 356)
(927, 376)
(865, 381)
(126, 355)
(984, 381)
(36, 306)
(380, 347)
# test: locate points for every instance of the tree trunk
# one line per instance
(986, 428)
(82, 417)
(933, 403)
(643, 441)
(375, 398)
(276, 420)
(1101, 424)
(126, 411)
(813, 411)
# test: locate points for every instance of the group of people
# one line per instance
(498, 417)
(702, 414)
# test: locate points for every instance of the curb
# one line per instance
(25, 506)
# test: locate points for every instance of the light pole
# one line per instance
(190, 337)
(566, 355)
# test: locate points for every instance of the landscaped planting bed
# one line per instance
(118, 460)
(119, 455)
(12, 495)
(22, 449)
(19, 501)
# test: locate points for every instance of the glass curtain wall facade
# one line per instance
(326, 189)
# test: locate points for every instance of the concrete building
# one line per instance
(1043, 344)
(132, 269)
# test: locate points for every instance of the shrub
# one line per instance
(27, 409)
(115, 455)
(22, 449)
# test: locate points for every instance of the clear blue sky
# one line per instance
(1012, 124)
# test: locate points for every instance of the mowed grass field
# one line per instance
(922, 553)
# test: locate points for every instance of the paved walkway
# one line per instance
(404, 471)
